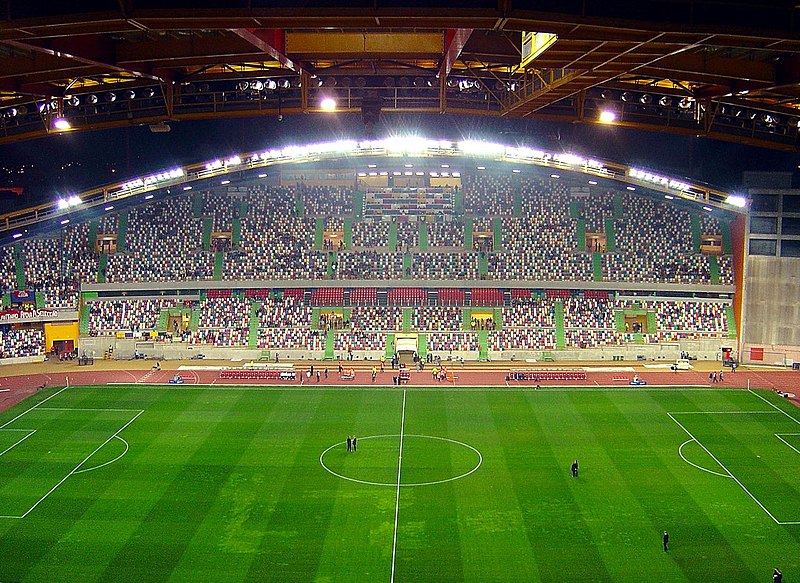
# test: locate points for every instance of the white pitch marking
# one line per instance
(680, 453)
(723, 412)
(90, 409)
(406, 485)
(127, 447)
(30, 432)
(735, 479)
(778, 435)
(774, 406)
(76, 468)
(397, 496)
(7, 423)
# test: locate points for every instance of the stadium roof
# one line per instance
(726, 70)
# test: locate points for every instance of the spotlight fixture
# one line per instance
(61, 123)
(626, 97)
(257, 85)
(91, 99)
(74, 101)
(328, 104)
(646, 99)
(148, 92)
(607, 116)
(111, 97)
(685, 104)
(130, 94)
(243, 86)
(665, 101)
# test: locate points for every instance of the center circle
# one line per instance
(427, 460)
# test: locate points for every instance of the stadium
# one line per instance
(320, 293)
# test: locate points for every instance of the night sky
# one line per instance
(70, 163)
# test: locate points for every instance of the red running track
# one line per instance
(16, 388)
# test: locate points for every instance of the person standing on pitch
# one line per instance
(777, 576)
(574, 469)
(355, 443)
(349, 444)
(665, 541)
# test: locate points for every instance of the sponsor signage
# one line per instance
(13, 316)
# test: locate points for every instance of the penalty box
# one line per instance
(767, 468)
(42, 448)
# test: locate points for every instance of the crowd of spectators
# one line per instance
(133, 315)
(275, 243)
(459, 266)
(227, 337)
(522, 339)
(537, 313)
(367, 265)
(449, 234)
(8, 269)
(327, 200)
(19, 342)
(163, 243)
(219, 207)
(583, 312)
(407, 235)
(486, 194)
(450, 341)
(690, 316)
(359, 340)
(285, 312)
(230, 312)
(291, 339)
(371, 234)
(435, 318)
(382, 318)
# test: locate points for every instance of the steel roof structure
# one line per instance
(727, 70)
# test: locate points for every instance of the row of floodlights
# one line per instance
(685, 104)
(408, 145)
(361, 82)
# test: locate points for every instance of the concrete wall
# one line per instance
(125, 347)
(771, 316)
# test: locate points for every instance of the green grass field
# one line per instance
(136, 483)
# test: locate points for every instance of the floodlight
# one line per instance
(61, 123)
(736, 200)
(328, 104)
(607, 116)
(91, 99)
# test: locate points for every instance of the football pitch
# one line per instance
(154, 483)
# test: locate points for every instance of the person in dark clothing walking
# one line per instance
(326, 372)
(317, 376)
(349, 444)
(665, 540)
(355, 443)
(777, 576)
(574, 469)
